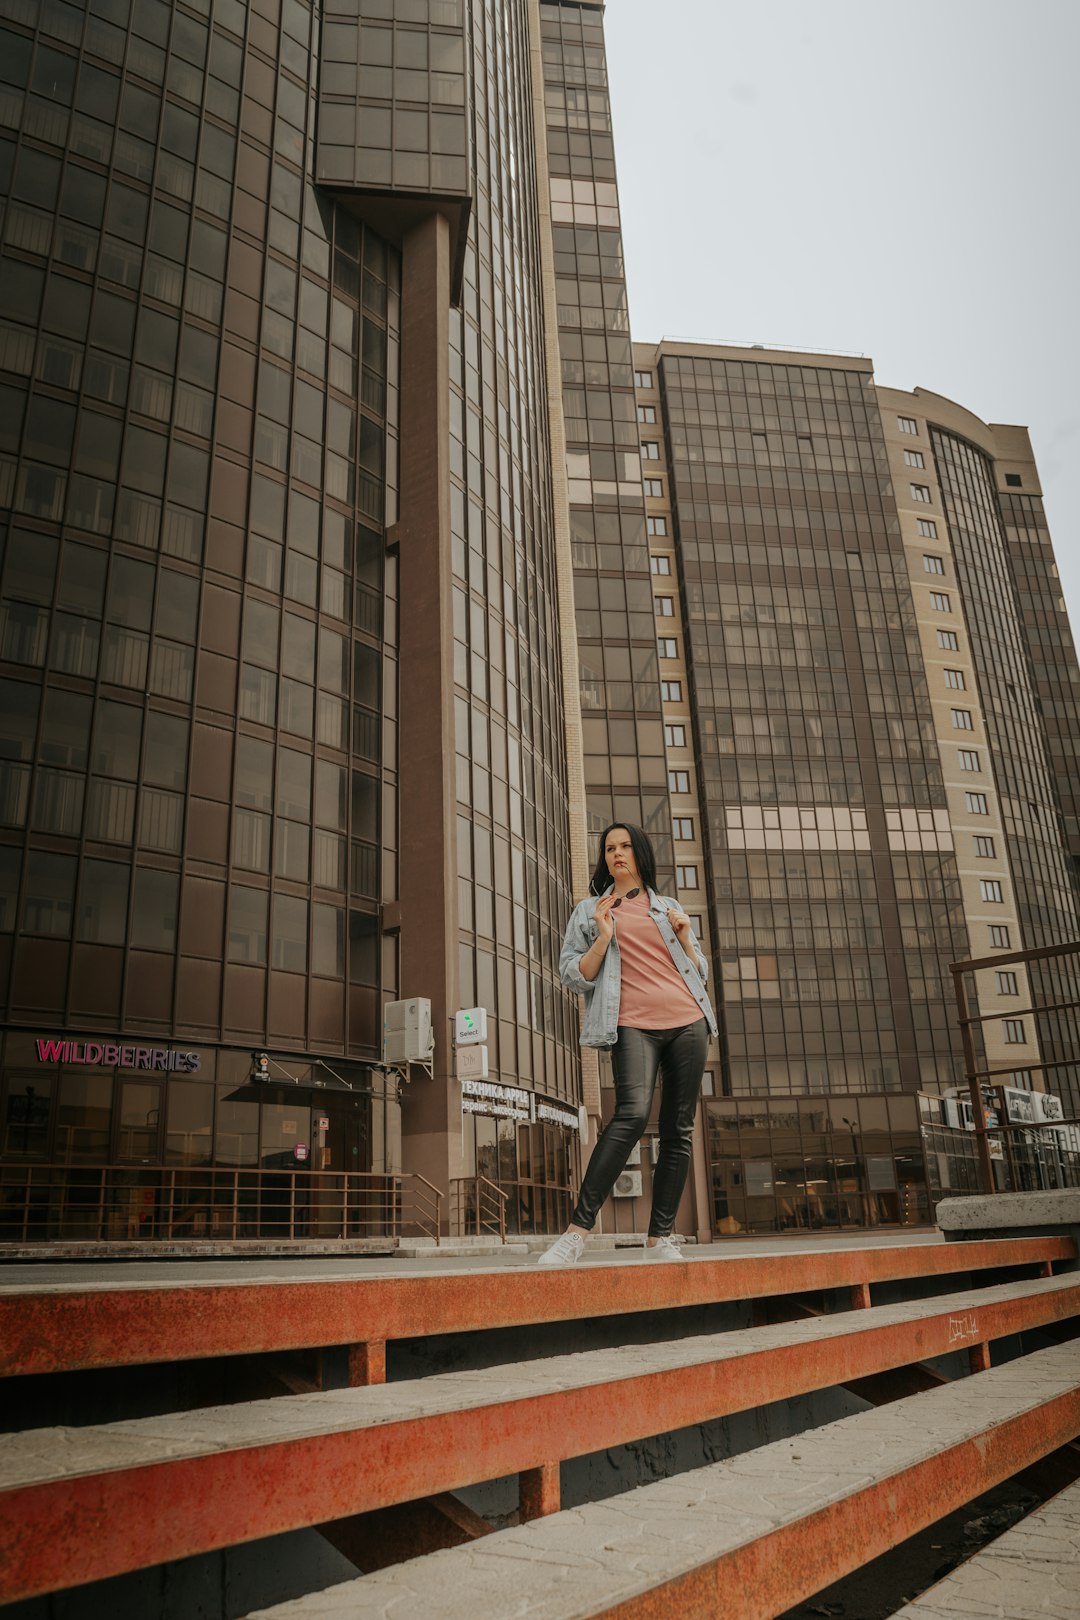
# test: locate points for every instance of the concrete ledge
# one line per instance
(60, 1326)
(202, 1249)
(1011, 1215)
(1010, 1211)
(1032, 1572)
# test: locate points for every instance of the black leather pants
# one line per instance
(637, 1056)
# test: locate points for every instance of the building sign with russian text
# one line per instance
(495, 1101)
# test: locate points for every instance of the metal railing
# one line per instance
(1035, 1151)
(479, 1205)
(478, 1208)
(106, 1203)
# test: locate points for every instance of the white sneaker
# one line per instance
(664, 1248)
(565, 1251)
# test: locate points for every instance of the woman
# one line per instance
(633, 956)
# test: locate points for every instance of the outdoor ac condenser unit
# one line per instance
(407, 1031)
(628, 1185)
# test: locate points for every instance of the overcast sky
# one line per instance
(896, 181)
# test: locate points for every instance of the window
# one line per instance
(939, 601)
(1014, 481)
(1008, 984)
(907, 424)
(984, 847)
(659, 565)
(682, 828)
(103, 903)
(955, 679)
(686, 877)
(678, 781)
(920, 492)
(697, 923)
(646, 413)
(671, 691)
(49, 894)
(927, 528)
(665, 607)
(914, 458)
(999, 936)
(962, 721)
(650, 451)
(969, 759)
(990, 889)
(643, 379)
(675, 736)
(667, 647)
(248, 910)
(976, 804)
(288, 934)
(949, 640)
(154, 909)
(1014, 1031)
(656, 525)
(933, 565)
(654, 488)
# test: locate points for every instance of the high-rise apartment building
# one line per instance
(868, 792)
(358, 569)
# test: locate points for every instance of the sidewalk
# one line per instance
(417, 1261)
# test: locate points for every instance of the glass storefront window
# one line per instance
(285, 1126)
(189, 1123)
(82, 1118)
(841, 1162)
(236, 1132)
(139, 1120)
(26, 1115)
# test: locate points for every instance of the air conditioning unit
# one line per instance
(634, 1156)
(628, 1185)
(1046, 1106)
(407, 1031)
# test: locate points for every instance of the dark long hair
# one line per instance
(643, 855)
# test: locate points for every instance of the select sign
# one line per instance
(470, 1026)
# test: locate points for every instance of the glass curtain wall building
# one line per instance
(854, 657)
(277, 516)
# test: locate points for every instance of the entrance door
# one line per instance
(139, 1122)
(139, 1118)
(364, 1205)
(344, 1143)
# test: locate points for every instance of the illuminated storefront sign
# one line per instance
(549, 1113)
(114, 1055)
(494, 1101)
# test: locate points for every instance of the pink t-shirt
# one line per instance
(653, 993)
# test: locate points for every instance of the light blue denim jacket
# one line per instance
(601, 994)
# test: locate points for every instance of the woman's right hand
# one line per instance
(605, 922)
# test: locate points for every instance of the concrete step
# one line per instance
(168, 1487)
(1032, 1572)
(748, 1538)
(60, 1327)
